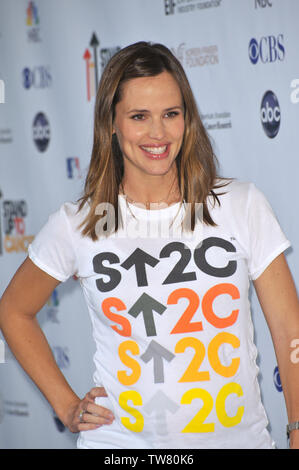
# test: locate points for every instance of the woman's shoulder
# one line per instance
(233, 189)
(71, 208)
(234, 197)
(233, 202)
(73, 212)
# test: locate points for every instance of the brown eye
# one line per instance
(138, 117)
(172, 114)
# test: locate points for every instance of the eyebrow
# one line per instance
(147, 111)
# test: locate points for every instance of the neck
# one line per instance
(160, 192)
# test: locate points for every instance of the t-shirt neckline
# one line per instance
(149, 214)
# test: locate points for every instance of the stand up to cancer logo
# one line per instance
(14, 227)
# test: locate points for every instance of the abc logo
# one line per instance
(276, 379)
(270, 114)
(267, 49)
(41, 132)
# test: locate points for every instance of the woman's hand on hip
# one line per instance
(86, 415)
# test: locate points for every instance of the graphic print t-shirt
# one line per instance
(171, 319)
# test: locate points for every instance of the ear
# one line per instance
(114, 134)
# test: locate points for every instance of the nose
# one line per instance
(157, 129)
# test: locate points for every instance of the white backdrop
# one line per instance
(51, 58)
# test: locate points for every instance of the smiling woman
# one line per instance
(175, 356)
(145, 102)
(149, 125)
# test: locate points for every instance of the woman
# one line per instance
(164, 262)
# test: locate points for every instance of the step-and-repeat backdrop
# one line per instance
(241, 57)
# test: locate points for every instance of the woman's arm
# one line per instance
(279, 301)
(26, 294)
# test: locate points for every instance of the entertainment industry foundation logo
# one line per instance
(6, 136)
(12, 407)
(268, 49)
(217, 121)
(41, 131)
(92, 56)
(196, 56)
(270, 114)
(16, 408)
(37, 77)
(185, 6)
(32, 22)
(15, 238)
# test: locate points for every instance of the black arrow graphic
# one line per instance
(94, 43)
(140, 258)
(146, 305)
(157, 352)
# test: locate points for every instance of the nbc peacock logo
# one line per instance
(32, 22)
(32, 14)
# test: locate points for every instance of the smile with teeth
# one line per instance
(155, 150)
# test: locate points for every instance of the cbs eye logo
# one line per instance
(270, 114)
(267, 49)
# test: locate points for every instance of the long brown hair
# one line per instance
(196, 162)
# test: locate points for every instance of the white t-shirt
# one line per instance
(171, 319)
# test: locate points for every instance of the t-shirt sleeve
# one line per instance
(266, 238)
(52, 248)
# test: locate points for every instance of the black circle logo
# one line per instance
(41, 132)
(253, 51)
(27, 78)
(276, 379)
(270, 114)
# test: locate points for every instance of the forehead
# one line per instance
(160, 89)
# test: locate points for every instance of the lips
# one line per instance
(156, 152)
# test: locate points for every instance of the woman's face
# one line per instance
(149, 124)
